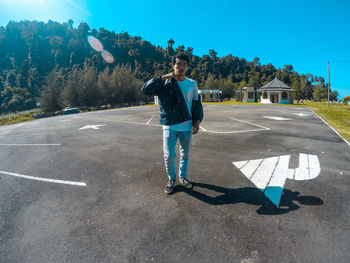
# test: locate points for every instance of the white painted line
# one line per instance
(301, 114)
(265, 128)
(95, 127)
(30, 144)
(302, 172)
(139, 123)
(303, 160)
(229, 132)
(262, 175)
(314, 166)
(239, 165)
(150, 119)
(44, 179)
(281, 172)
(277, 118)
(348, 143)
(31, 134)
(250, 168)
(200, 126)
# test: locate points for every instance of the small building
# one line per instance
(276, 92)
(210, 95)
(249, 94)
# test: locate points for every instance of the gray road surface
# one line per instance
(110, 205)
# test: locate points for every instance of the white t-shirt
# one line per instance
(189, 90)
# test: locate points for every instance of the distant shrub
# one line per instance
(346, 99)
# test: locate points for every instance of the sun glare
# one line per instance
(25, 2)
(42, 10)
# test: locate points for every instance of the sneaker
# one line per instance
(185, 183)
(170, 187)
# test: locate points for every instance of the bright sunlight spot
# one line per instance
(26, 2)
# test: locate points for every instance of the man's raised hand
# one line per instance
(169, 76)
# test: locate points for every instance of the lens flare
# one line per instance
(95, 43)
(107, 56)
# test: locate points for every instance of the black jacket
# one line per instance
(173, 108)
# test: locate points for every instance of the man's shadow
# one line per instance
(252, 196)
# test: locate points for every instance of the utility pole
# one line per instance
(328, 84)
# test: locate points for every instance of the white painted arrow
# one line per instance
(301, 114)
(277, 118)
(270, 174)
(95, 127)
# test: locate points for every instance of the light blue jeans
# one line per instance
(169, 142)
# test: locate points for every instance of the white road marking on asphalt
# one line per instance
(239, 165)
(249, 168)
(202, 128)
(302, 172)
(277, 118)
(150, 119)
(31, 134)
(139, 123)
(95, 127)
(263, 174)
(270, 174)
(44, 179)
(30, 144)
(265, 128)
(229, 132)
(301, 114)
(314, 166)
(281, 172)
(309, 168)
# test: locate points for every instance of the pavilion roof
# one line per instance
(275, 84)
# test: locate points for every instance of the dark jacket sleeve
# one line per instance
(152, 86)
(197, 110)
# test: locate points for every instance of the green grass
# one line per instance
(16, 119)
(337, 116)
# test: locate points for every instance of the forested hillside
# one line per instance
(52, 63)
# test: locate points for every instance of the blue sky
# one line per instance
(303, 33)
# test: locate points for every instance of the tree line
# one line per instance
(52, 63)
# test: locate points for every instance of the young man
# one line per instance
(180, 115)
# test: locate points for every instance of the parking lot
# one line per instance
(89, 187)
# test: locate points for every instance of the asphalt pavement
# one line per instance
(89, 187)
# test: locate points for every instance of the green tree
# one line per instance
(320, 92)
(213, 54)
(87, 89)
(346, 99)
(227, 87)
(124, 86)
(50, 95)
(69, 94)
